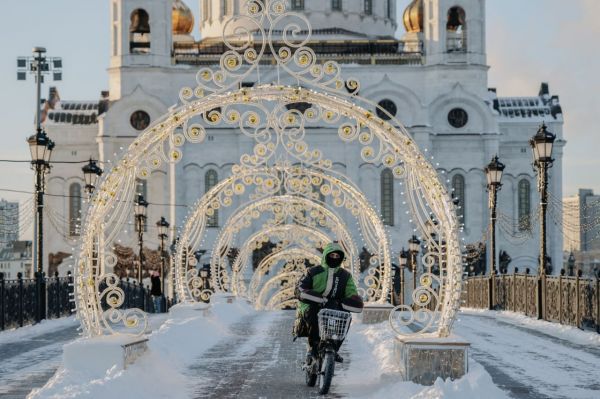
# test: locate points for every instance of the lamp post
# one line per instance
(91, 174)
(413, 249)
(40, 147)
(140, 208)
(403, 261)
(163, 233)
(493, 172)
(541, 144)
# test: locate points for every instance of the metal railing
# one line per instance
(569, 300)
(22, 304)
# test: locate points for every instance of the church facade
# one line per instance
(434, 79)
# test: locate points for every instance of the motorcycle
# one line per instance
(333, 327)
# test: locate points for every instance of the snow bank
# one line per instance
(374, 373)
(569, 333)
(43, 327)
(189, 331)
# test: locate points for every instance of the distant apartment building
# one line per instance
(581, 215)
(9, 222)
(16, 258)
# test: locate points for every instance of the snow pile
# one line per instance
(374, 373)
(568, 333)
(43, 327)
(158, 373)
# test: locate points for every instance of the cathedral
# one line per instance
(433, 79)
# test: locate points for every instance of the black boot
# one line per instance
(338, 358)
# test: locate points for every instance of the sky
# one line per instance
(528, 42)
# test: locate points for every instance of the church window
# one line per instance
(458, 186)
(224, 7)
(210, 180)
(456, 37)
(387, 197)
(336, 5)
(297, 4)
(139, 32)
(458, 117)
(368, 7)
(387, 105)
(74, 209)
(139, 120)
(524, 204)
(390, 9)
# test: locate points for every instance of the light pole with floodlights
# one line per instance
(140, 208)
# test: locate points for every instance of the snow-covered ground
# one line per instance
(230, 350)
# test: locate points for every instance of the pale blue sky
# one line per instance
(528, 41)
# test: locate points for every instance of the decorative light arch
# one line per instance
(260, 113)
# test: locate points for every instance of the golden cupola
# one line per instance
(182, 18)
(413, 17)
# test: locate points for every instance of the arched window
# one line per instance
(456, 30)
(297, 4)
(139, 32)
(524, 205)
(458, 185)
(390, 9)
(210, 180)
(387, 197)
(336, 5)
(368, 7)
(224, 7)
(74, 209)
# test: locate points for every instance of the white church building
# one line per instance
(434, 79)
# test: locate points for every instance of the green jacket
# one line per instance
(322, 283)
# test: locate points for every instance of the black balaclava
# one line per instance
(331, 262)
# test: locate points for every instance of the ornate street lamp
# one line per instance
(542, 144)
(403, 261)
(140, 208)
(414, 245)
(493, 172)
(163, 233)
(41, 148)
(91, 174)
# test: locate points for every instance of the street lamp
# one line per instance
(413, 249)
(493, 172)
(163, 230)
(91, 174)
(140, 208)
(40, 147)
(541, 144)
(403, 261)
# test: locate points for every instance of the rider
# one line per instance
(327, 284)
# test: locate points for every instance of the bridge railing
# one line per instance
(569, 300)
(28, 301)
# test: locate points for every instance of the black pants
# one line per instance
(310, 317)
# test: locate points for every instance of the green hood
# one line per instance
(329, 248)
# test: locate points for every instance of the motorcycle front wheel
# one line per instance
(327, 369)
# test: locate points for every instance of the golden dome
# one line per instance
(413, 16)
(182, 18)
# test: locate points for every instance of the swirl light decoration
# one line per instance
(373, 284)
(260, 114)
